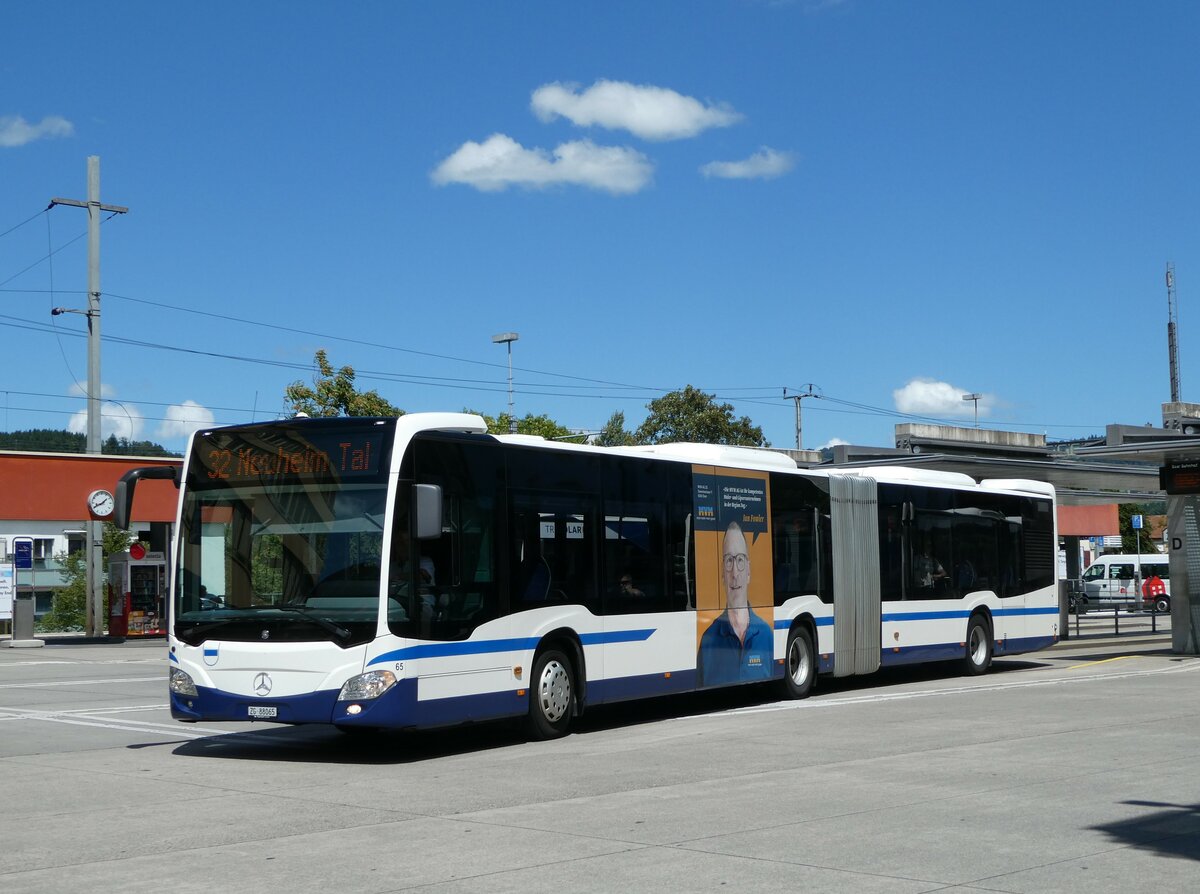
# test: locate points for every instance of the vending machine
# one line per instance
(137, 585)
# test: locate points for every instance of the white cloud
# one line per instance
(831, 443)
(16, 131)
(500, 162)
(764, 164)
(78, 389)
(652, 113)
(926, 397)
(183, 419)
(118, 419)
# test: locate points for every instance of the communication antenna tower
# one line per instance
(1173, 332)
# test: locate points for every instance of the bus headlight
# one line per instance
(370, 685)
(181, 683)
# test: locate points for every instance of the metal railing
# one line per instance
(1074, 603)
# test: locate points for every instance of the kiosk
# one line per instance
(137, 583)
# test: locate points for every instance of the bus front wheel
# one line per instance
(800, 666)
(552, 697)
(979, 646)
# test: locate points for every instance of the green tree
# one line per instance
(692, 415)
(56, 441)
(614, 434)
(1130, 542)
(69, 609)
(332, 393)
(541, 425)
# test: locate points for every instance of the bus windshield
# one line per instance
(277, 545)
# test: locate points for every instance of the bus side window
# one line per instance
(801, 542)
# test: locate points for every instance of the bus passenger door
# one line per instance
(857, 610)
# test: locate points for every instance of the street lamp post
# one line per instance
(975, 398)
(507, 338)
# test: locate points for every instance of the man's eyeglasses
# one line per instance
(736, 561)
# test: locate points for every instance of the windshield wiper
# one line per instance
(198, 628)
(341, 633)
(201, 628)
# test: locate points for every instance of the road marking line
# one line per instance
(160, 678)
(1102, 661)
(818, 702)
(8, 664)
(133, 726)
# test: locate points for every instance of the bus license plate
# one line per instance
(264, 712)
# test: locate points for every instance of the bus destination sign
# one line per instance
(279, 457)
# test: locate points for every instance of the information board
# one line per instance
(8, 588)
(1179, 477)
(23, 553)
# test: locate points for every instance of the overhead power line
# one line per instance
(13, 229)
(368, 344)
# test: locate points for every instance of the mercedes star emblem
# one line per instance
(262, 684)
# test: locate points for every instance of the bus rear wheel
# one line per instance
(799, 666)
(552, 698)
(1162, 605)
(979, 646)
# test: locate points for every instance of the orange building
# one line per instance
(43, 497)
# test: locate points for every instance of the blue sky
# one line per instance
(897, 202)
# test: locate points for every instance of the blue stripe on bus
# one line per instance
(516, 644)
(945, 614)
(400, 707)
(617, 689)
(899, 655)
(820, 622)
(927, 616)
(616, 636)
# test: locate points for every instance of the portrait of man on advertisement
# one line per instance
(738, 645)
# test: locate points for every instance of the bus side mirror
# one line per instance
(127, 485)
(427, 511)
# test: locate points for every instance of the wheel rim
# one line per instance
(978, 646)
(798, 663)
(554, 691)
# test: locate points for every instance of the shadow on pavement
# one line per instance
(324, 744)
(1173, 830)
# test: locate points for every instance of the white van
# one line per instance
(1113, 580)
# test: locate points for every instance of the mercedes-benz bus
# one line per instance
(416, 572)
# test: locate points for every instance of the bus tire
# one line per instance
(1162, 604)
(979, 646)
(799, 664)
(552, 696)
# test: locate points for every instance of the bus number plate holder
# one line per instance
(264, 712)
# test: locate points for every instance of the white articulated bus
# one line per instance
(416, 572)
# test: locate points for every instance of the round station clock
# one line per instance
(101, 503)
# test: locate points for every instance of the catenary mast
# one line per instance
(1173, 332)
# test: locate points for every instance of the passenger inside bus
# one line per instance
(626, 588)
(927, 570)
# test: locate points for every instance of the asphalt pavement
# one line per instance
(1076, 769)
